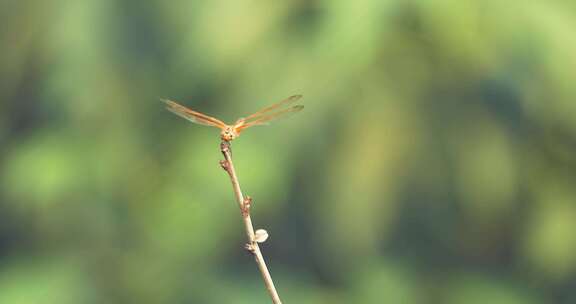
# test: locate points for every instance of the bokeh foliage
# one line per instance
(434, 163)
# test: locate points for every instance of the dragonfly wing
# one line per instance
(284, 103)
(193, 116)
(265, 119)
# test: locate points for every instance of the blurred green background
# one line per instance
(435, 161)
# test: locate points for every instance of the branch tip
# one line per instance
(253, 238)
(225, 147)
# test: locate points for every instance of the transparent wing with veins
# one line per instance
(280, 109)
(193, 116)
(262, 112)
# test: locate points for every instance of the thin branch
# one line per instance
(244, 203)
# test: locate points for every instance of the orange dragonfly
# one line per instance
(230, 132)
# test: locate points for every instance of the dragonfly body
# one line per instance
(230, 132)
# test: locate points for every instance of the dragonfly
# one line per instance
(230, 132)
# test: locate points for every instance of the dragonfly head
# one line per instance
(228, 133)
